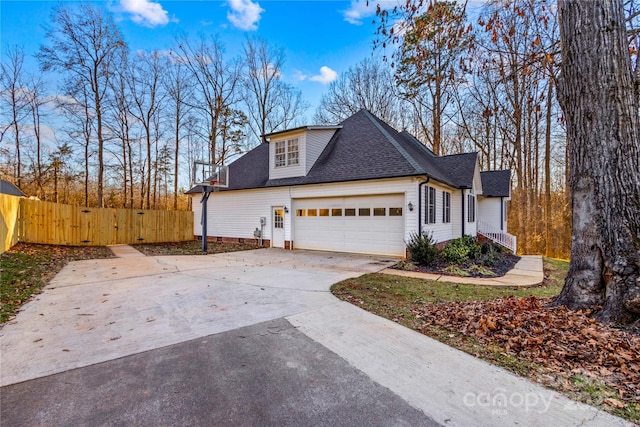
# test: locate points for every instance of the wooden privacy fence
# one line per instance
(58, 224)
(9, 209)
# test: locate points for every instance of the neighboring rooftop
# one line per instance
(8, 188)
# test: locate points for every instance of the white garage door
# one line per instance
(371, 224)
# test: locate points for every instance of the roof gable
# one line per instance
(363, 147)
(496, 183)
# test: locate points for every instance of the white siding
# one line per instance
(288, 171)
(316, 141)
(237, 213)
(489, 212)
(441, 231)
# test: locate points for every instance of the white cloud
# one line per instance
(300, 76)
(361, 9)
(146, 12)
(244, 14)
(358, 10)
(327, 75)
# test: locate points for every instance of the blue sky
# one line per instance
(321, 38)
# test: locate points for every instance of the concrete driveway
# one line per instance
(245, 338)
(99, 310)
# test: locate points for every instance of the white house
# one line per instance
(360, 186)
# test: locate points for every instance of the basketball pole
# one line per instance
(203, 220)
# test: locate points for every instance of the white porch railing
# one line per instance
(504, 239)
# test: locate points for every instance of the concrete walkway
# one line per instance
(152, 340)
(125, 251)
(452, 387)
(527, 272)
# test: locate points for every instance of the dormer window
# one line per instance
(286, 153)
(292, 152)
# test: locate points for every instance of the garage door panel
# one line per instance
(363, 234)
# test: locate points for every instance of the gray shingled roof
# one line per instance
(496, 183)
(363, 148)
(8, 188)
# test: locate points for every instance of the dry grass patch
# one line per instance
(27, 268)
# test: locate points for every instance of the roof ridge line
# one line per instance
(418, 143)
(395, 144)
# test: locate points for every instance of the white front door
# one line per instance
(277, 228)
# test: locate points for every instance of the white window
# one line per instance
(471, 208)
(430, 214)
(446, 207)
(287, 153)
(281, 155)
(292, 152)
(278, 220)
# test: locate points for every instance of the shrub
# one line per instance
(421, 248)
(491, 254)
(459, 250)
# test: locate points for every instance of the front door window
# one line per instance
(278, 220)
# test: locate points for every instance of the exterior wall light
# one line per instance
(410, 206)
(286, 209)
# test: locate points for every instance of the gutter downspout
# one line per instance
(463, 214)
(420, 204)
(501, 213)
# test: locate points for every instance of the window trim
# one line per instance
(471, 208)
(293, 143)
(280, 156)
(446, 207)
(430, 211)
(286, 153)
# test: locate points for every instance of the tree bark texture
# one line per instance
(596, 91)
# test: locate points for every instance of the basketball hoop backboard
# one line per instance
(209, 175)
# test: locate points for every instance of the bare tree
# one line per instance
(80, 122)
(598, 90)
(179, 91)
(271, 103)
(84, 42)
(35, 97)
(432, 37)
(121, 125)
(147, 99)
(368, 85)
(217, 82)
(14, 99)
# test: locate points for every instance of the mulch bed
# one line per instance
(500, 268)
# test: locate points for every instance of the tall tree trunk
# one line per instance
(596, 91)
(437, 117)
(547, 173)
(86, 172)
(16, 128)
(148, 178)
(130, 166)
(176, 158)
(96, 94)
(124, 173)
(35, 111)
